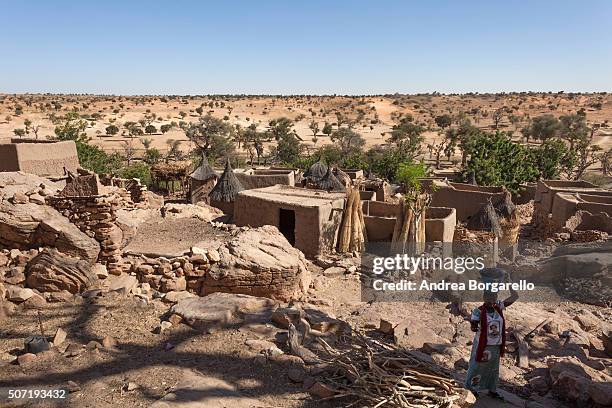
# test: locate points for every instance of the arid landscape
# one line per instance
(224, 291)
(306, 204)
(371, 116)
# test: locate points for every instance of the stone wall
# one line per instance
(96, 217)
(257, 262)
(172, 274)
(132, 192)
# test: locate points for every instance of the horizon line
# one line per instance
(432, 93)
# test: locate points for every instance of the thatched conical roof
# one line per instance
(316, 172)
(486, 219)
(227, 186)
(204, 172)
(505, 207)
(329, 182)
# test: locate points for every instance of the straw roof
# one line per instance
(204, 172)
(227, 186)
(316, 172)
(486, 219)
(505, 207)
(329, 182)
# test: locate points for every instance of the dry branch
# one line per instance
(375, 374)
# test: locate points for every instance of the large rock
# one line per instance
(574, 381)
(607, 339)
(219, 309)
(18, 294)
(122, 284)
(413, 333)
(13, 182)
(259, 262)
(53, 271)
(130, 220)
(31, 225)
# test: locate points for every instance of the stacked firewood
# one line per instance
(366, 372)
(352, 232)
(410, 224)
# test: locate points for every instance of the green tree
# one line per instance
(543, 127)
(497, 161)
(97, 160)
(288, 148)
(280, 128)
(327, 129)
(212, 137)
(255, 140)
(573, 128)
(348, 140)
(461, 137)
(409, 174)
(408, 138)
(443, 121)
(137, 170)
(112, 130)
(314, 127)
(72, 127)
(553, 157)
(150, 129)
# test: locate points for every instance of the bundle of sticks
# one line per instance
(410, 224)
(352, 233)
(375, 374)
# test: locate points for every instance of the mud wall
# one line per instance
(226, 207)
(42, 159)
(465, 198)
(199, 190)
(440, 224)
(316, 228)
(380, 209)
(251, 181)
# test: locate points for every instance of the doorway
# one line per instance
(286, 224)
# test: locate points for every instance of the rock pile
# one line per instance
(167, 274)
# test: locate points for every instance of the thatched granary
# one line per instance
(329, 182)
(486, 219)
(201, 182)
(316, 172)
(223, 195)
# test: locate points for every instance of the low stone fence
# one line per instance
(168, 274)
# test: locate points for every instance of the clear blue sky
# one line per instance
(305, 46)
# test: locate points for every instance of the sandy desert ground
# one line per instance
(372, 116)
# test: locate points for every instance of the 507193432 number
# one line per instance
(36, 394)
